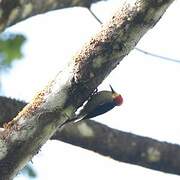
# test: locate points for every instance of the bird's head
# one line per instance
(117, 98)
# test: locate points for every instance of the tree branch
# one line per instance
(122, 146)
(9, 108)
(39, 120)
(119, 145)
(15, 11)
(141, 50)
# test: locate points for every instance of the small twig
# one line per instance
(140, 50)
(92, 13)
(157, 56)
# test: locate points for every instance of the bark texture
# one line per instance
(119, 145)
(13, 11)
(122, 146)
(23, 136)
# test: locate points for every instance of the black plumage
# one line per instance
(98, 104)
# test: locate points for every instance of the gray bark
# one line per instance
(14, 11)
(23, 136)
(122, 146)
(119, 145)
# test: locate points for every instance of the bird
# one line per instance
(99, 103)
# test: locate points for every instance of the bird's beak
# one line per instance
(112, 89)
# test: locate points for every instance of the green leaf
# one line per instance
(10, 49)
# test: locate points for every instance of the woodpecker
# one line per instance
(98, 104)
